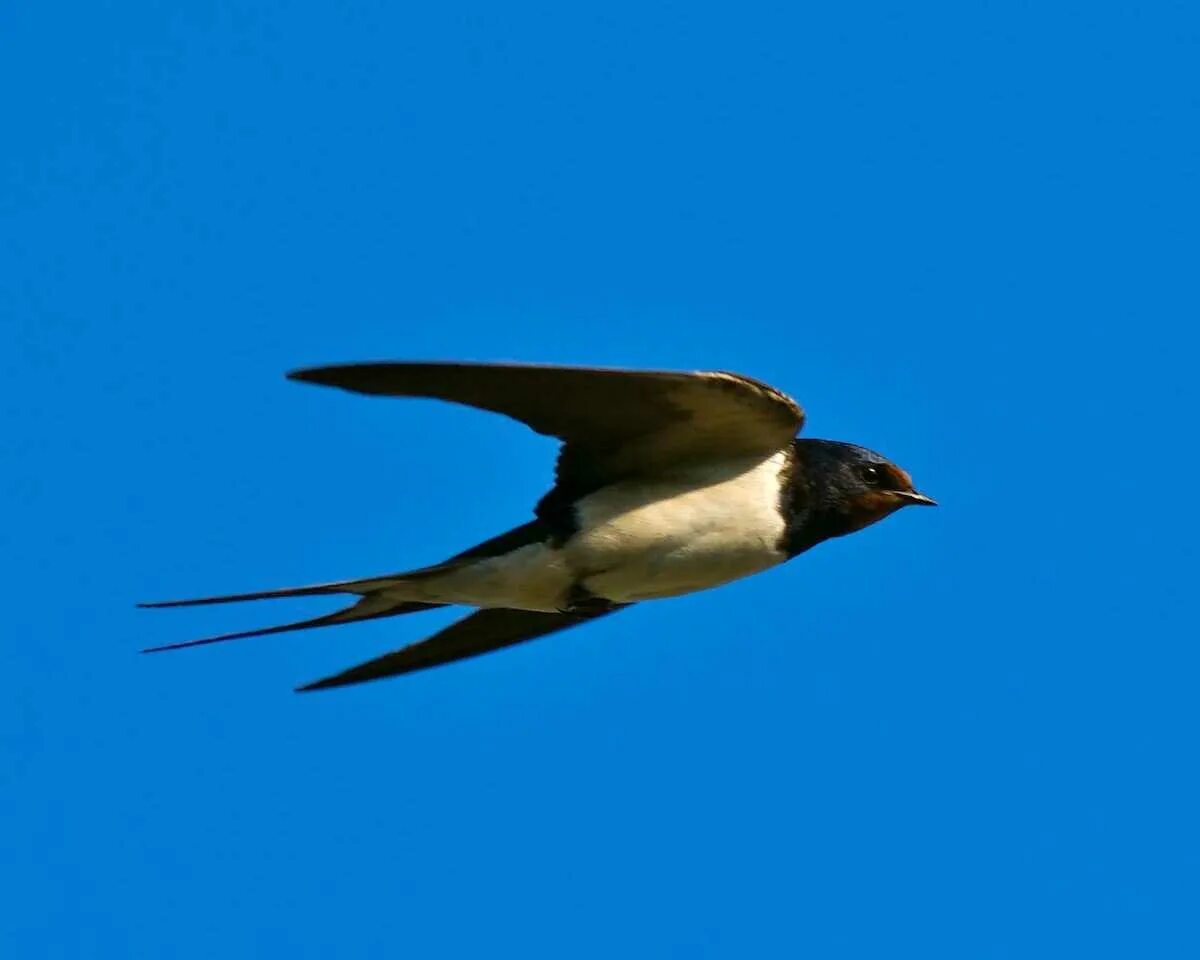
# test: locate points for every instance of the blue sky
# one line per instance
(964, 234)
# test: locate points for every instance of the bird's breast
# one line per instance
(705, 526)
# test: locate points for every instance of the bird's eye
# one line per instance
(872, 475)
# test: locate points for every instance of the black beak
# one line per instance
(911, 496)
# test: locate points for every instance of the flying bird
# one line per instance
(666, 483)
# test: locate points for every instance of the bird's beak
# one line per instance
(911, 496)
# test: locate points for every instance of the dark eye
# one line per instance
(872, 475)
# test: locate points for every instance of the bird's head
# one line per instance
(851, 487)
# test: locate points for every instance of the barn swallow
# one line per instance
(666, 483)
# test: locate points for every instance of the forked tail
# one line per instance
(374, 602)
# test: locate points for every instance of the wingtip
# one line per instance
(315, 685)
(346, 678)
(320, 376)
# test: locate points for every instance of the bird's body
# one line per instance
(634, 540)
(668, 483)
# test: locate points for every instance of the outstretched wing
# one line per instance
(614, 424)
(481, 632)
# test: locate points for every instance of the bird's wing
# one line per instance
(481, 632)
(614, 424)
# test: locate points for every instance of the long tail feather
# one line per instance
(362, 587)
(377, 595)
(367, 608)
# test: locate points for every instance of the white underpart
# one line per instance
(535, 577)
(648, 540)
(638, 540)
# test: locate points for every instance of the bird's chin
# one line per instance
(871, 507)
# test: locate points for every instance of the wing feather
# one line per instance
(614, 424)
(481, 632)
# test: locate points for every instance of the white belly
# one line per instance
(535, 577)
(640, 541)
(636, 541)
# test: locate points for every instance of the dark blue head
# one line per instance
(843, 488)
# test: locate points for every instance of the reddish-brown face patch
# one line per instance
(899, 479)
(867, 508)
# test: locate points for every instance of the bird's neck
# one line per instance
(809, 511)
